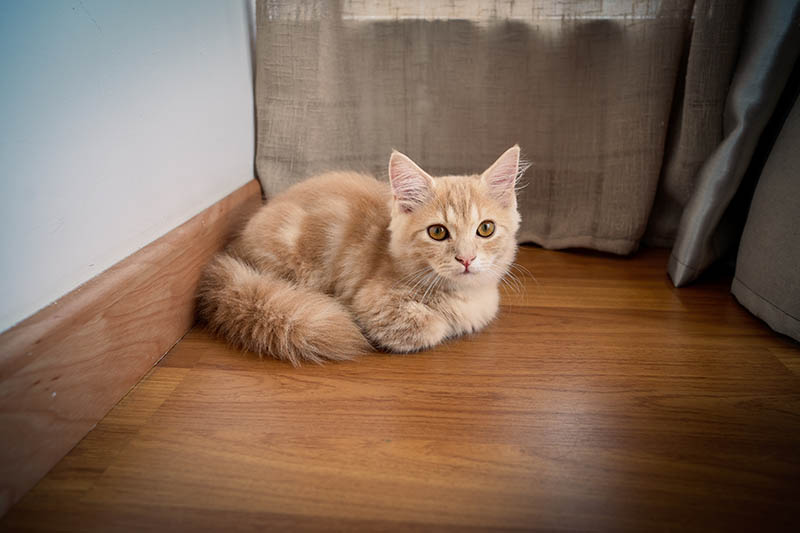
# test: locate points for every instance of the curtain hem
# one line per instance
(776, 318)
(614, 246)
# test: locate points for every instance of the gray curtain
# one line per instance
(767, 279)
(696, 128)
(639, 117)
(584, 87)
(708, 227)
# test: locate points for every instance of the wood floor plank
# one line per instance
(603, 399)
(82, 467)
(65, 367)
(788, 354)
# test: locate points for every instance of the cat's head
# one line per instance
(463, 228)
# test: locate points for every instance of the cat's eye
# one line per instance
(486, 228)
(437, 232)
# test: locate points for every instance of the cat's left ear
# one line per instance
(501, 177)
(411, 185)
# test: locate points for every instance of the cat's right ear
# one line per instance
(501, 177)
(411, 185)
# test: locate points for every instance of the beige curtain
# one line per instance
(584, 87)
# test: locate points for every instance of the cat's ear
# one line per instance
(411, 185)
(501, 177)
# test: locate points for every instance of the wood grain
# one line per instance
(62, 369)
(601, 399)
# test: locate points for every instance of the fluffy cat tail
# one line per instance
(271, 316)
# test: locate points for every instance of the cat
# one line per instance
(342, 263)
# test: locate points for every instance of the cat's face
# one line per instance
(461, 228)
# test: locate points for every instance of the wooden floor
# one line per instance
(601, 398)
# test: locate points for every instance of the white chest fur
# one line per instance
(471, 309)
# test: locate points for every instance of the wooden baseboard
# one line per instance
(64, 368)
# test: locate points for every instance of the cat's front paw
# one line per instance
(410, 327)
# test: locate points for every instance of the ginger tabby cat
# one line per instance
(341, 263)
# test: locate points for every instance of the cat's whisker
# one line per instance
(442, 284)
(494, 269)
(516, 281)
(511, 275)
(416, 279)
(417, 288)
(406, 277)
(520, 267)
(413, 277)
(513, 283)
(421, 284)
(431, 286)
(523, 271)
(508, 288)
(509, 281)
(413, 274)
(500, 279)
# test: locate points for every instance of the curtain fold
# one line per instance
(767, 279)
(769, 50)
(696, 128)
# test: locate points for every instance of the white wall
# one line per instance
(119, 120)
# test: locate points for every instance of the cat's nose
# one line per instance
(464, 260)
